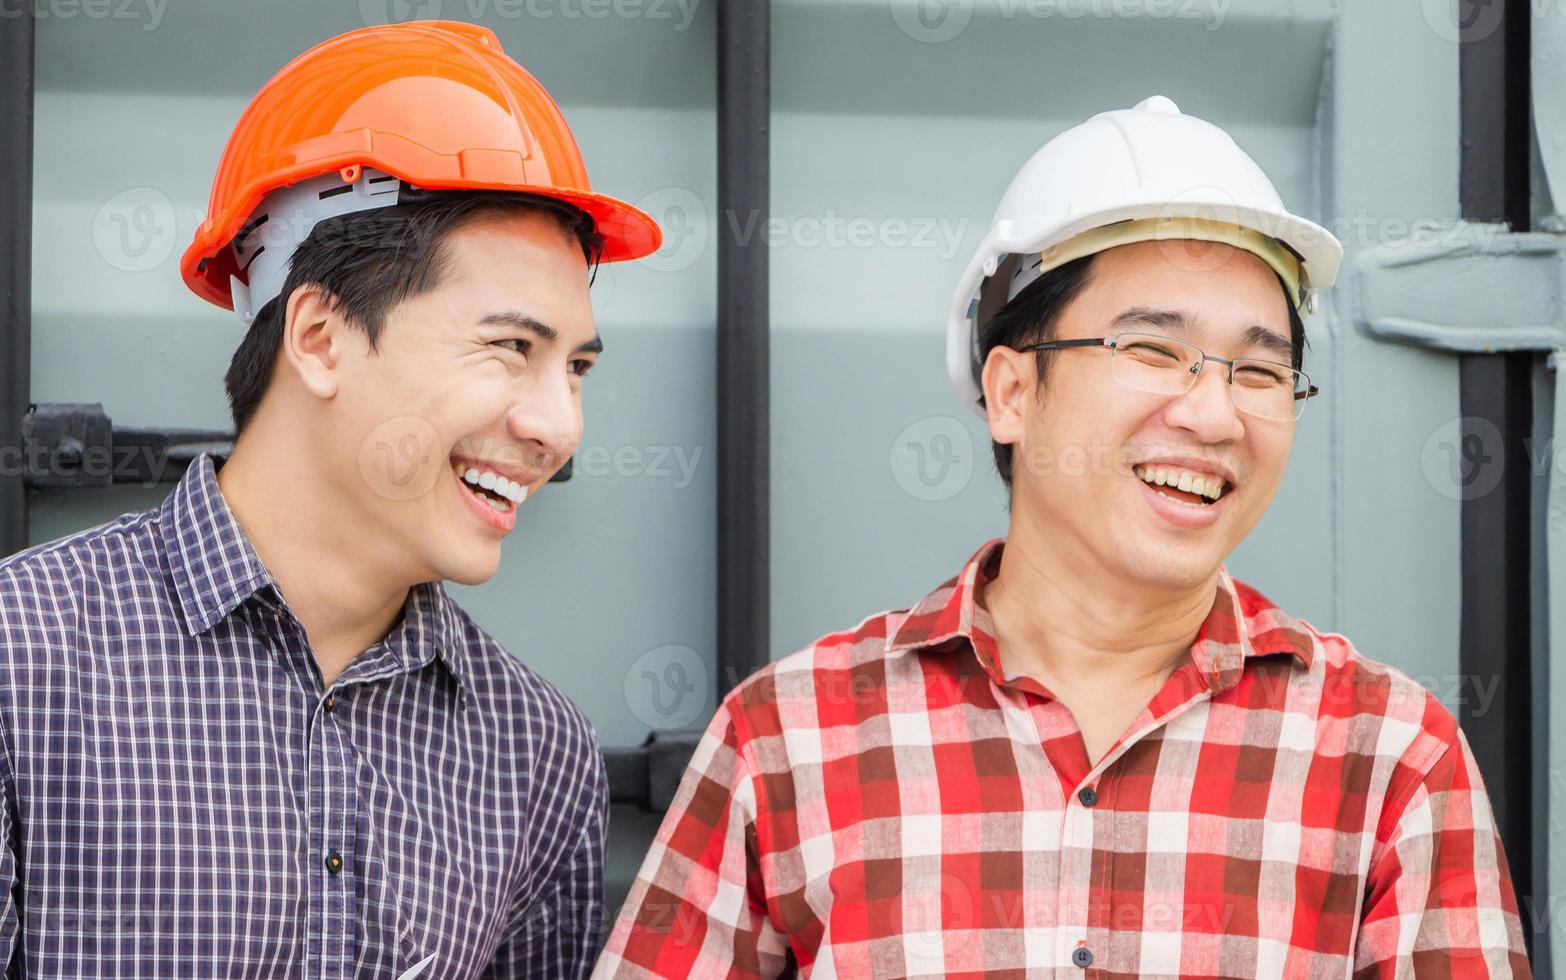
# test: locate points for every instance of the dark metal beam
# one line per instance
(16, 250)
(1497, 396)
(1496, 633)
(744, 176)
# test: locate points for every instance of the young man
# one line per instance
(247, 733)
(1093, 750)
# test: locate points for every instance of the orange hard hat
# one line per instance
(437, 104)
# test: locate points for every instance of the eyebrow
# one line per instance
(543, 330)
(1175, 321)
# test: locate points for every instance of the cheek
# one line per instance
(1083, 441)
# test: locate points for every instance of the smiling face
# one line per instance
(480, 377)
(1079, 441)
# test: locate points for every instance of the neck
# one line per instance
(326, 563)
(1064, 619)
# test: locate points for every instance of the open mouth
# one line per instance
(1195, 490)
(499, 493)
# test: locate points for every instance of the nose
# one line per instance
(547, 418)
(1207, 409)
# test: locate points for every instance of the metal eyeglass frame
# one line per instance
(1203, 357)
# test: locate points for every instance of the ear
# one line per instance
(314, 339)
(1009, 380)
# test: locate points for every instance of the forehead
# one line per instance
(1219, 292)
(527, 246)
(524, 262)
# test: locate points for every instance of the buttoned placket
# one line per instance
(332, 805)
(1077, 927)
(339, 768)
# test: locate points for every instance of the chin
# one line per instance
(472, 569)
(1173, 570)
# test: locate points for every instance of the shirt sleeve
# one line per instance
(698, 906)
(1439, 898)
(556, 933)
(10, 914)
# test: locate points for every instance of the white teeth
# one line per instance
(510, 489)
(1210, 487)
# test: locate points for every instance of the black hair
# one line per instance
(1033, 315)
(371, 261)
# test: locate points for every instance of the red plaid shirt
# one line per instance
(887, 803)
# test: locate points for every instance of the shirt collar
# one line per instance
(215, 569)
(214, 566)
(1242, 625)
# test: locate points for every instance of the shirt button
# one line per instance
(329, 702)
(1082, 956)
(1088, 798)
(334, 862)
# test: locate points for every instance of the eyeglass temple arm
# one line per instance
(1058, 344)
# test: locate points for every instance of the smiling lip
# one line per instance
(512, 473)
(1187, 516)
(500, 521)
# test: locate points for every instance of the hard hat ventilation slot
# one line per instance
(244, 233)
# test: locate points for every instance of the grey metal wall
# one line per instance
(896, 125)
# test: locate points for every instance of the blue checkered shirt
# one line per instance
(181, 798)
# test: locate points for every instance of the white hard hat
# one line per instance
(1129, 175)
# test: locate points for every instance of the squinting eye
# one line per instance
(580, 367)
(521, 343)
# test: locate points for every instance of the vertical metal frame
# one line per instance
(16, 249)
(1496, 643)
(744, 494)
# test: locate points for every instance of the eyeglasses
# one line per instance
(1165, 366)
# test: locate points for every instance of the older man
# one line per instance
(1094, 749)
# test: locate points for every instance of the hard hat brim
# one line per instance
(1319, 250)
(628, 232)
